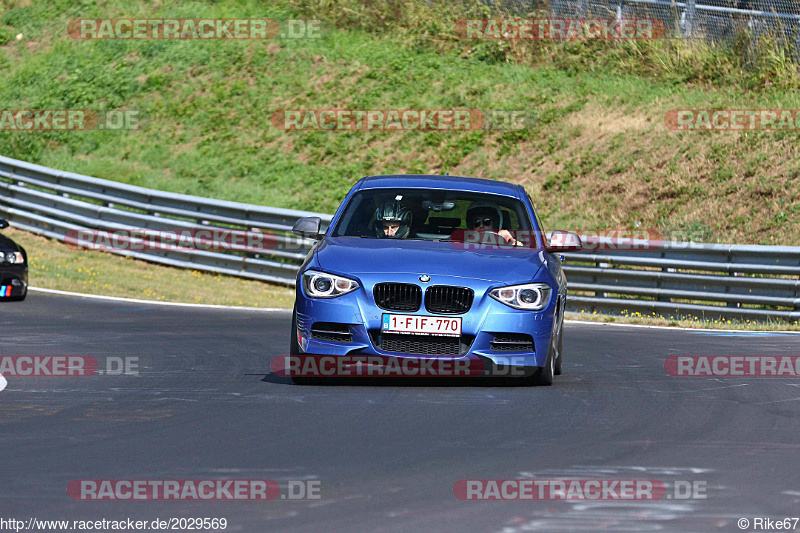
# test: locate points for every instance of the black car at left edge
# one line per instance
(13, 268)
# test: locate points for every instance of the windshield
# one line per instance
(424, 214)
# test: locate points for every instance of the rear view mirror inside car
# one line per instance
(438, 206)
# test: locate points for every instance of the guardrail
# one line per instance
(675, 279)
(679, 279)
(52, 202)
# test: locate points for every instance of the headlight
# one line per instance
(15, 258)
(322, 285)
(530, 297)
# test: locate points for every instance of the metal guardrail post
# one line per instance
(797, 297)
(797, 293)
(659, 282)
(691, 19)
(601, 265)
(728, 287)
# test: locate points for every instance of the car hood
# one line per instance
(353, 255)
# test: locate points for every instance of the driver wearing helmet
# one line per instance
(392, 220)
(485, 216)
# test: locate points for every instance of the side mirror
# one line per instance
(308, 227)
(564, 241)
(3, 223)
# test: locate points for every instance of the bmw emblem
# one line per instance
(424, 278)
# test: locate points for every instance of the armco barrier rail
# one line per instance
(52, 202)
(689, 279)
(675, 279)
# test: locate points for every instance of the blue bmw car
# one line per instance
(440, 268)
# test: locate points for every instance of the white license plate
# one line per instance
(430, 325)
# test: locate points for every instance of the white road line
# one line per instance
(672, 328)
(153, 302)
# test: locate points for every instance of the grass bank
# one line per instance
(598, 153)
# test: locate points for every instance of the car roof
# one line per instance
(428, 181)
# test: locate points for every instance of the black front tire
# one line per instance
(543, 377)
(19, 298)
(560, 351)
(294, 347)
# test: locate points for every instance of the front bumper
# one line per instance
(485, 322)
(13, 281)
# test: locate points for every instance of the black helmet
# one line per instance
(393, 211)
(480, 209)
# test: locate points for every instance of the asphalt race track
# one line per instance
(387, 455)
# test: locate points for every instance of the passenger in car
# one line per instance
(484, 216)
